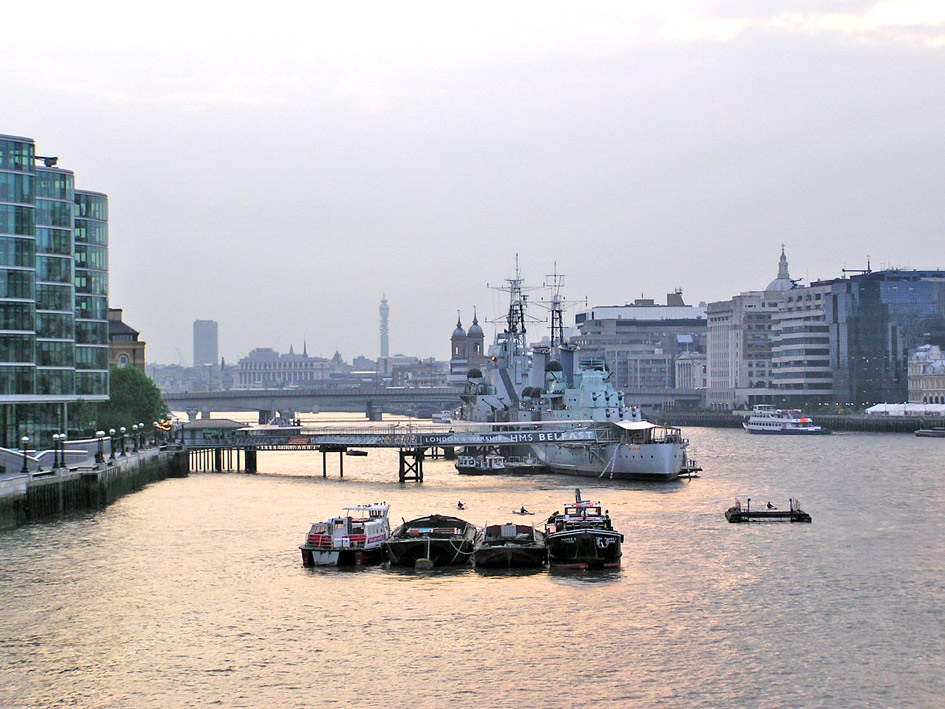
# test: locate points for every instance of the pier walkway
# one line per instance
(413, 443)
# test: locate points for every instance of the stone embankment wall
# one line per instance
(30, 498)
(879, 424)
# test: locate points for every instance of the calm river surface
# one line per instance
(191, 592)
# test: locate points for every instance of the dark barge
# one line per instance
(768, 514)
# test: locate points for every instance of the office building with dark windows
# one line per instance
(205, 343)
(53, 294)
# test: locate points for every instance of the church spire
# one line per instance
(782, 265)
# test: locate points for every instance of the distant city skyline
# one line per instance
(329, 154)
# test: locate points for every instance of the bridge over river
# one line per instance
(372, 400)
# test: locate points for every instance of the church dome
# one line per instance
(474, 329)
(459, 332)
(783, 282)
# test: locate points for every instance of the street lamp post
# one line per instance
(142, 439)
(123, 431)
(25, 442)
(111, 440)
(62, 449)
(134, 437)
(55, 440)
(100, 453)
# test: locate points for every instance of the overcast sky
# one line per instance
(280, 172)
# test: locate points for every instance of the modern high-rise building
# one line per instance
(53, 294)
(205, 342)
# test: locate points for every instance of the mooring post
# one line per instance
(324, 463)
(341, 463)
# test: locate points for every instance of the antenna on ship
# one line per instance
(557, 305)
(516, 318)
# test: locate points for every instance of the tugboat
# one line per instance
(436, 540)
(355, 538)
(510, 546)
(582, 537)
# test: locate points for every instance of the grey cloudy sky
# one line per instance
(278, 167)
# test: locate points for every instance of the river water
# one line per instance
(191, 592)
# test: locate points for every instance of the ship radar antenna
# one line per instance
(516, 318)
(556, 305)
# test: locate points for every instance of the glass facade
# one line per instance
(877, 319)
(17, 267)
(53, 294)
(91, 294)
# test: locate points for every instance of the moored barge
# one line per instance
(437, 539)
(510, 546)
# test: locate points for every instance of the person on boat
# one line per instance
(523, 511)
(460, 505)
(770, 506)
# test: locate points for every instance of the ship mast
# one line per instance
(516, 317)
(557, 305)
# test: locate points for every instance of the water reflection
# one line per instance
(193, 592)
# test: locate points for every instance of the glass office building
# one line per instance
(53, 295)
(877, 320)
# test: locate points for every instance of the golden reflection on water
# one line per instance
(192, 591)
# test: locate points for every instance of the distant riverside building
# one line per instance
(420, 373)
(801, 363)
(844, 342)
(125, 350)
(691, 371)
(739, 347)
(641, 341)
(927, 376)
(265, 368)
(175, 378)
(205, 343)
(54, 344)
(877, 319)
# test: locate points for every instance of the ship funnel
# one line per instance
(566, 355)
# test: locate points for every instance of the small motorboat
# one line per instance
(480, 465)
(353, 539)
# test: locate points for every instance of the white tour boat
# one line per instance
(766, 418)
